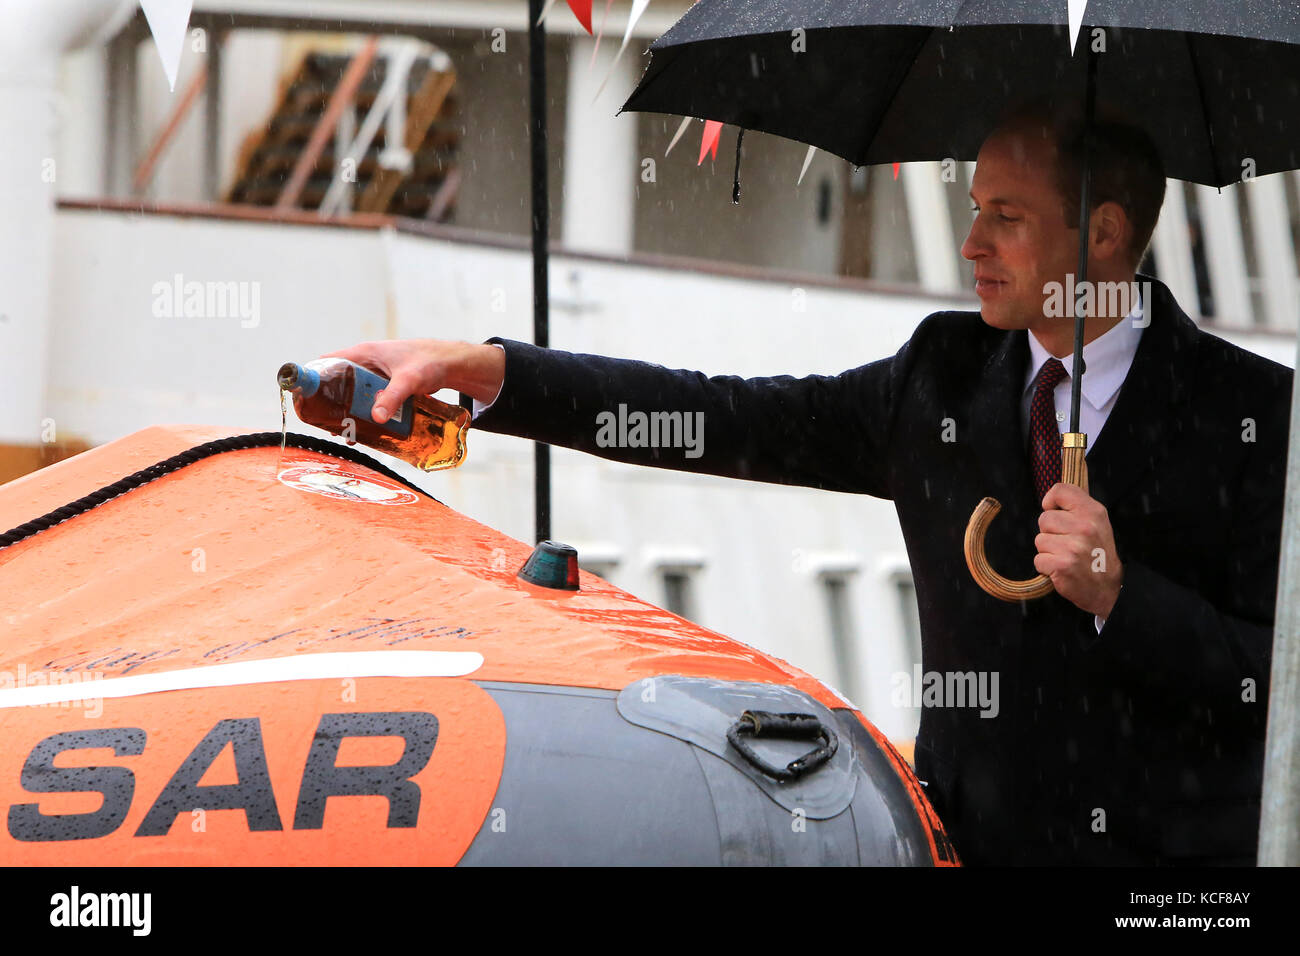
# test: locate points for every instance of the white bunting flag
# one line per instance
(1076, 20)
(545, 10)
(806, 160)
(638, 8)
(686, 121)
(167, 22)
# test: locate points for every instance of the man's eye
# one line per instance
(1003, 217)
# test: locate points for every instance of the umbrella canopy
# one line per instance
(1214, 84)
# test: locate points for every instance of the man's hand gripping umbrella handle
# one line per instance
(1074, 471)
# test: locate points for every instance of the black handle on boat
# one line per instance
(764, 724)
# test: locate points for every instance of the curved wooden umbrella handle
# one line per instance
(1074, 471)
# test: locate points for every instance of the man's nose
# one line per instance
(975, 244)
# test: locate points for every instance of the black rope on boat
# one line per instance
(197, 453)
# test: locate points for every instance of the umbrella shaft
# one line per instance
(1085, 190)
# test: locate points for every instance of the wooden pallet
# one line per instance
(268, 156)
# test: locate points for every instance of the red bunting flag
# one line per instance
(582, 10)
(709, 142)
(895, 171)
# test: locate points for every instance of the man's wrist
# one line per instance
(1109, 609)
(479, 371)
(1101, 619)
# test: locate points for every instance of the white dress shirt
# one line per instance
(480, 407)
(1106, 361)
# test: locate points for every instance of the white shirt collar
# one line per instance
(1106, 358)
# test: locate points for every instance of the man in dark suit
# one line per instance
(1130, 727)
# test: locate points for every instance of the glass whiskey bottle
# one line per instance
(338, 395)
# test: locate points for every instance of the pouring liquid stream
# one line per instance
(284, 431)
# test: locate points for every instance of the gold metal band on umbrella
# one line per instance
(1074, 471)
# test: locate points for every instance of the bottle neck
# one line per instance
(298, 378)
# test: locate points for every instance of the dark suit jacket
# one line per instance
(1143, 744)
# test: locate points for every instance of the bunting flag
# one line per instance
(1075, 14)
(686, 121)
(167, 22)
(546, 8)
(709, 142)
(599, 33)
(638, 8)
(896, 172)
(806, 160)
(582, 10)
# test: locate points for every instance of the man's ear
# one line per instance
(1110, 229)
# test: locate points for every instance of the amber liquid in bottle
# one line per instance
(338, 395)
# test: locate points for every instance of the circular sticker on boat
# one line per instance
(338, 482)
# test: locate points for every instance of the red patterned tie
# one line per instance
(1044, 436)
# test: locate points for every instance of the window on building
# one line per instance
(677, 591)
(910, 616)
(843, 634)
(677, 570)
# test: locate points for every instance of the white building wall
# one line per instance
(81, 122)
(600, 161)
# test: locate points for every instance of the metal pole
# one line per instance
(1279, 830)
(212, 117)
(1085, 191)
(541, 230)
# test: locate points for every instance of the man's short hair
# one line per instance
(1126, 166)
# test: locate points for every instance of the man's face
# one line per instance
(1019, 240)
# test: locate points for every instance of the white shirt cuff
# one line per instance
(1100, 621)
(480, 407)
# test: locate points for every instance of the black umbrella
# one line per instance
(921, 80)
(1216, 86)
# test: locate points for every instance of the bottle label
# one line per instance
(367, 385)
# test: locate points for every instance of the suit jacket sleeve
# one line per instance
(1178, 637)
(830, 432)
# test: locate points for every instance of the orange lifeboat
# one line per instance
(210, 655)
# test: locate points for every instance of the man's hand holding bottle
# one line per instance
(423, 366)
